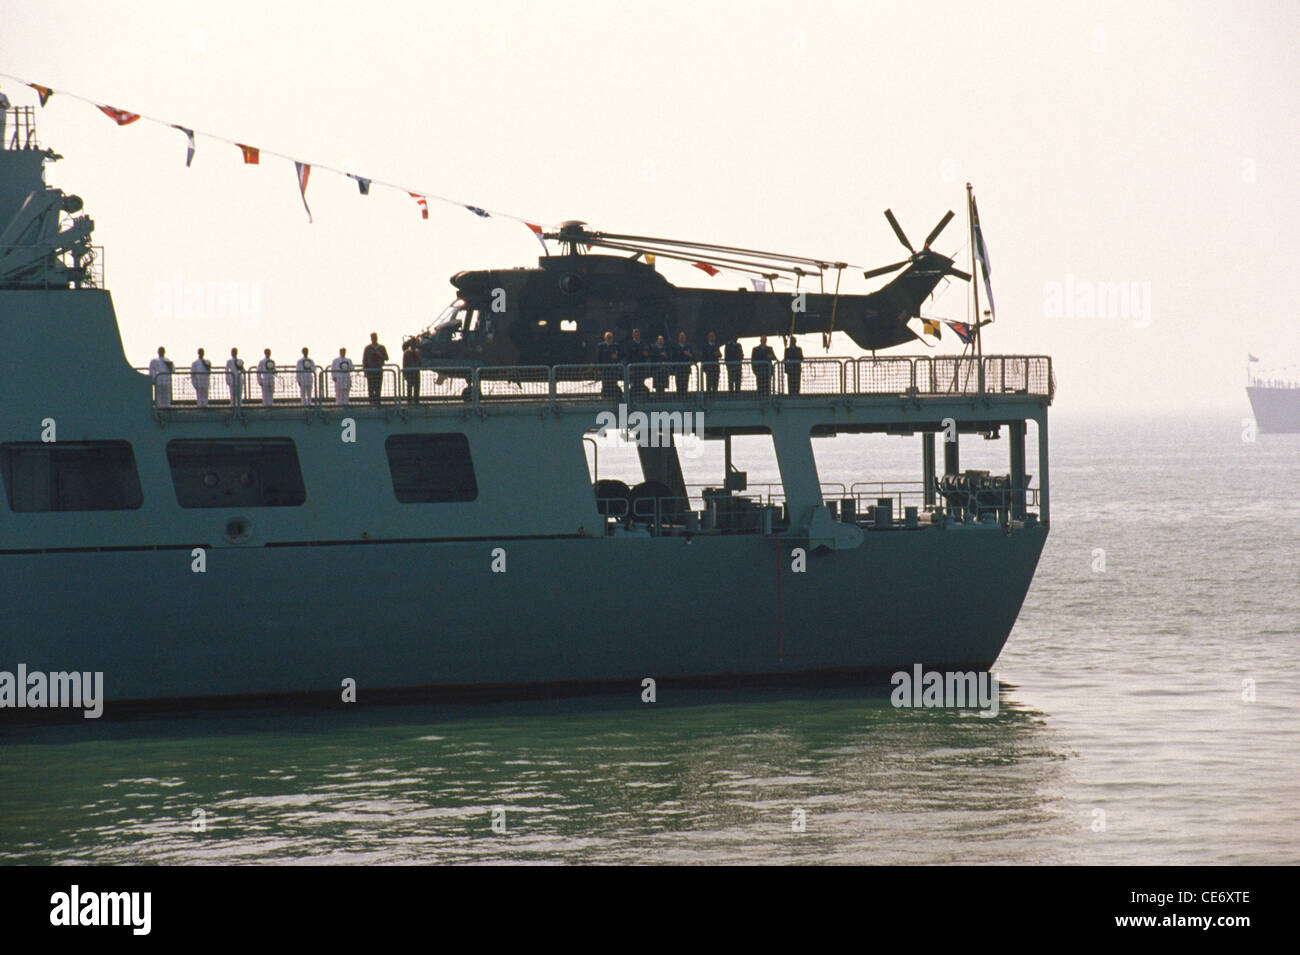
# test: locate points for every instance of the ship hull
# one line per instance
(186, 541)
(1277, 410)
(272, 622)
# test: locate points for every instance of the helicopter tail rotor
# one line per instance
(898, 231)
(934, 233)
(886, 269)
(925, 258)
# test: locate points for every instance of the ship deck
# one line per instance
(1000, 381)
(893, 395)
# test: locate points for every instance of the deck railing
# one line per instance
(766, 513)
(18, 128)
(691, 385)
(35, 266)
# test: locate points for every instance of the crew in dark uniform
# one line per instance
(711, 354)
(372, 360)
(411, 370)
(735, 356)
(761, 358)
(659, 359)
(607, 354)
(683, 356)
(793, 366)
(635, 356)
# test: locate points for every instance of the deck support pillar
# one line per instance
(951, 455)
(663, 465)
(1043, 493)
(794, 458)
(927, 467)
(1016, 434)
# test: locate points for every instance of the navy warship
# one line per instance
(1275, 401)
(439, 529)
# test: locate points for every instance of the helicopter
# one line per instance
(559, 312)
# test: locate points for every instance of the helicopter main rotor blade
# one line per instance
(934, 233)
(953, 270)
(885, 269)
(764, 269)
(898, 231)
(638, 240)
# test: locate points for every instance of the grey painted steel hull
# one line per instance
(1277, 410)
(392, 615)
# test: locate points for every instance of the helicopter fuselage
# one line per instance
(559, 312)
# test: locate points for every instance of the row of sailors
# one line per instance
(731, 356)
(633, 352)
(162, 368)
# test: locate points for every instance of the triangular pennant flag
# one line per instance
(963, 331)
(705, 267)
(649, 259)
(43, 92)
(537, 231)
(252, 155)
(930, 326)
(479, 212)
(424, 204)
(759, 285)
(362, 184)
(304, 170)
(120, 116)
(189, 152)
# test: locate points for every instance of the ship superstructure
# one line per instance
(464, 542)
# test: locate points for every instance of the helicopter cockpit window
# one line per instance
(451, 316)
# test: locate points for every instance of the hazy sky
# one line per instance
(1151, 148)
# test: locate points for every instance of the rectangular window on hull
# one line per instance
(70, 476)
(431, 468)
(236, 472)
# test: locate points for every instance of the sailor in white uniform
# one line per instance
(201, 378)
(306, 376)
(160, 370)
(266, 378)
(342, 368)
(235, 378)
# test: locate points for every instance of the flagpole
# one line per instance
(974, 284)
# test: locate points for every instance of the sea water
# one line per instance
(1149, 713)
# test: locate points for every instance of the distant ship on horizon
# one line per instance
(1275, 401)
